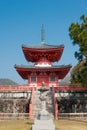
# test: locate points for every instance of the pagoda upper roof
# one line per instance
(35, 52)
(24, 71)
(42, 46)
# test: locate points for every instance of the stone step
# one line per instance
(37, 103)
(35, 110)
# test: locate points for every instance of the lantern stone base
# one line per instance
(43, 115)
(43, 125)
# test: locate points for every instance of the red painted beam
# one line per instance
(28, 88)
(67, 88)
(14, 88)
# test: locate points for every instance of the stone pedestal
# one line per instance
(43, 114)
(43, 125)
(43, 122)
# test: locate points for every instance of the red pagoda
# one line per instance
(27, 103)
(42, 55)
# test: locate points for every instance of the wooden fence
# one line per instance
(73, 116)
(9, 116)
(68, 116)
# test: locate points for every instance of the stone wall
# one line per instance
(14, 105)
(72, 102)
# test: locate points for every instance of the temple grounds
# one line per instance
(26, 125)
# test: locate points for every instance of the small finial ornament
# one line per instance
(42, 31)
(43, 84)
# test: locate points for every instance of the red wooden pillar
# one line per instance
(56, 110)
(57, 83)
(29, 80)
(55, 104)
(30, 110)
(31, 102)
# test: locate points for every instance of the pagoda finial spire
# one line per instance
(42, 34)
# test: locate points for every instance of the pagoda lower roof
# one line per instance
(35, 52)
(25, 71)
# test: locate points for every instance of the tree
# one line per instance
(78, 35)
(79, 74)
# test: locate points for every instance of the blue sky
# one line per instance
(21, 21)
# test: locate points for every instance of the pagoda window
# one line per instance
(33, 79)
(52, 78)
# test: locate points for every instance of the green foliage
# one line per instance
(78, 35)
(79, 74)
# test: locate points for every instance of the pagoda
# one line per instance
(43, 56)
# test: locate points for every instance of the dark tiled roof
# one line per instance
(43, 46)
(24, 71)
(24, 66)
